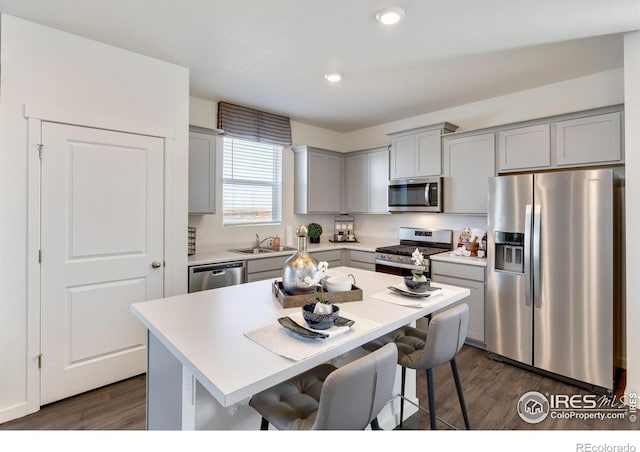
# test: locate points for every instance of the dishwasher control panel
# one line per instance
(214, 276)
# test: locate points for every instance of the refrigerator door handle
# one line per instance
(527, 255)
(537, 296)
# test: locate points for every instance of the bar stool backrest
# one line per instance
(445, 336)
(353, 395)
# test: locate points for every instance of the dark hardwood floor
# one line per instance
(491, 390)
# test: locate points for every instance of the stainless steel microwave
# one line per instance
(415, 195)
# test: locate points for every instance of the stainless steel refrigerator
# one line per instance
(550, 286)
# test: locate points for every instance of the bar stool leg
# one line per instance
(404, 379)
(456, 377)
(432, 399)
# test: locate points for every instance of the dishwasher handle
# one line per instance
(216, 267)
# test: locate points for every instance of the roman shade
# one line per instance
(253, 125)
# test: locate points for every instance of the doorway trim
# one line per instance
(35, 117)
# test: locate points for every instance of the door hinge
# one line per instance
(39, 256)
(40, 146)
(39, 360)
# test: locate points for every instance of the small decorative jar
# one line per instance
(418, 275)
(299, 266)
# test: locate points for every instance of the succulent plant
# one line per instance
(315, 230)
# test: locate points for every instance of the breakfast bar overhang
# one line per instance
(202, 369)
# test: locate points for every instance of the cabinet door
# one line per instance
(403, 157)
(526, 147)
(429, 153)
(316, 190)
(378, 181)
(356, 183)
(594, 139)
(475, 301)
(332, 185)
(468, 163)
(202, 173)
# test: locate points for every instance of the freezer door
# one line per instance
(508, 310)
(572, 250)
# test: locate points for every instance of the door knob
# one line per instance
(156, 264)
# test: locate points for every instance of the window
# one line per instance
(252, 182)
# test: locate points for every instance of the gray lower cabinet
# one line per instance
(469, 162)
(471, 277)
(202, 171)
(364, 260)
(266, 268)
(271, 267)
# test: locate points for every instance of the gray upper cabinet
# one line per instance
(318, 180)
(377, 181)
(418, 152)
(202, 170)
(356, 183)
(589, 140)
(468, 163)
(576, 140)
(525, 147)
(367, 177)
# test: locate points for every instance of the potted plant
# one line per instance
(315, 231)
(319, 313)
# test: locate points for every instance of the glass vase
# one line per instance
(299, 266)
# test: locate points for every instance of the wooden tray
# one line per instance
(296, 301)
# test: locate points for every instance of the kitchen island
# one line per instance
(202, 369)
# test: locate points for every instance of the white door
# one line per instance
(102, 229)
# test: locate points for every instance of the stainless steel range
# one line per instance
(396, 259)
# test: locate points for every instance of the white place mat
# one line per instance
(331, 332)
(279, 340)
(405, 300)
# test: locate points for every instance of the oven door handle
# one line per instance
(396, 264)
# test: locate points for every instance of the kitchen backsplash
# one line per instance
(383, 228)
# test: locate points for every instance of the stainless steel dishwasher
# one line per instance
(213, 276)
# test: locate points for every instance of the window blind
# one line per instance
(253, 125)
(252, 182)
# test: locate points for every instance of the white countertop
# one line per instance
(205, 331)
(450, 257)
(216, 256)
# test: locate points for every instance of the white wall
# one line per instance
(632, 198)
(591, 91)
(211, 233)
(596, 90)
(59, 76)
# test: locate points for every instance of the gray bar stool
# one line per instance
(418, 349)
(329, 398)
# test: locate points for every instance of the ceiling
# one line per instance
(272, 54)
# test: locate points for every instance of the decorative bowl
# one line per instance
(338, 284)
(416, 286)
(319, 321)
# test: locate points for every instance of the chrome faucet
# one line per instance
(260, 242)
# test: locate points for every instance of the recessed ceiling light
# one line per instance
(390, 16)
(333, 77)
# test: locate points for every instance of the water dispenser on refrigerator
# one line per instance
(509, 251)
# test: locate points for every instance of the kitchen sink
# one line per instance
(262, 250)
